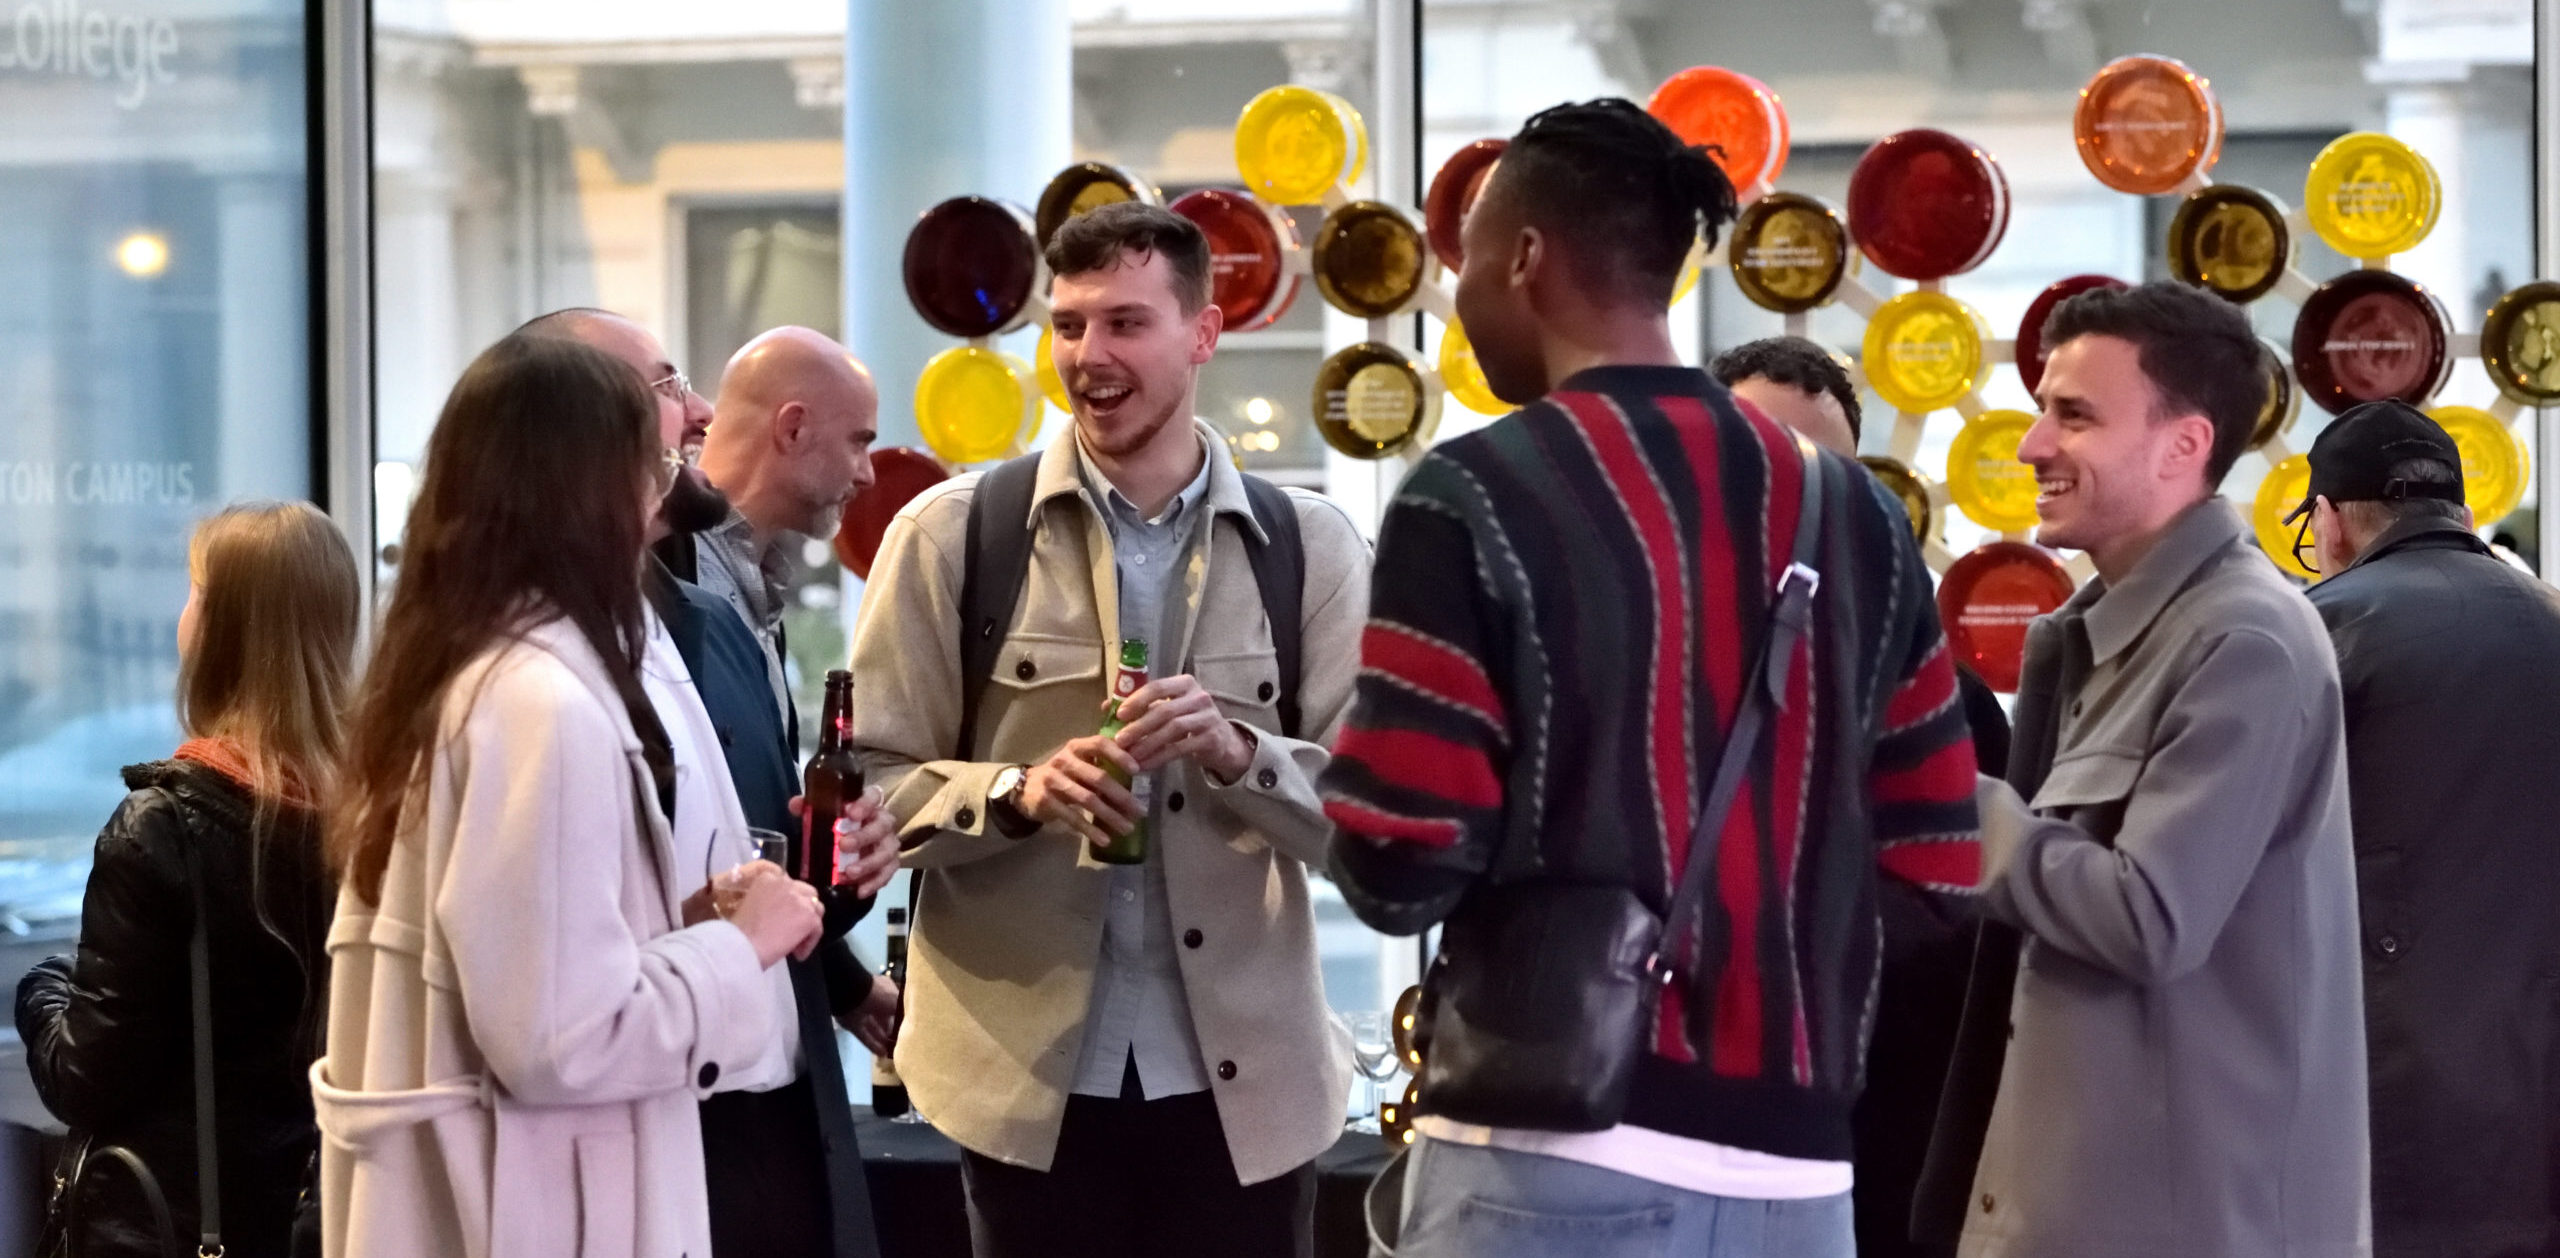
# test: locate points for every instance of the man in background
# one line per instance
(2449, 663)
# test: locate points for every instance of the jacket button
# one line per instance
(710, 1074)
(1226, 1070)
(1267, 779)
(1174, 804)
(1986, 1203)
(967, 817)
(1026, 670)
(2389, 944)
(1265, 692)
(1191, 938)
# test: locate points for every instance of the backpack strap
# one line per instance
(1280, 570)
(994, 561)
(200, 1004)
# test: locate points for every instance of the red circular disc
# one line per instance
(1924, 205)
(1249, 247)
(1732, 111)
(2370, 335)
(1986, 600)
(2031, 348)
(1444, 208)
(970, 264)
(897, 476)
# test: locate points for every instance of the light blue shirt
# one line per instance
(1139, 1009)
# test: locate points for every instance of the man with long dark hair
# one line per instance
(1568, 608)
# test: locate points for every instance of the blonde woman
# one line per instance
(264, 647)
(521, 1022)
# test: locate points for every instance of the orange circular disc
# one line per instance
(1735, 113)
(1444, 208)
(2147, 124)
(1987, 599)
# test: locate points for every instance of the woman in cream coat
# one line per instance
(521, 1022)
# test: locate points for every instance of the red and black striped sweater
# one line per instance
(1563, 606)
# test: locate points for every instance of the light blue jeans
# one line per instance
(1461, 1201)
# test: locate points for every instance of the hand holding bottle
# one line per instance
(1174, 719)
(780, 916)
(1074, 789)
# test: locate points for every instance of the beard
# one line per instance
(693, 504)
(1133, 435)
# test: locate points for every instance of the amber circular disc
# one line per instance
(1987, 599)
(897, 476)
(969, 266)
(1453, 190)
(1404, 1026)
(2230, 240)
(1925, 205)
(1294, 144)
(1044, 364)
(1369, 259)
(1789, 252)
(2278, 495)
(2031, 346)
(1249, 246)
(1733, 112)
(2284, 401)
(1910, 490)
(2147, 124)
(1370, 402)
(2495, 464)
(2370, 335)
(972, 404)
(1083, 188)
(1984, 477)
(2520, 343)
(1463, 376)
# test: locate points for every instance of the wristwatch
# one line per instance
(1004, 799)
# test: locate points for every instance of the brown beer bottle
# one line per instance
(888, 1091)
(832, 780)
(1130, 848)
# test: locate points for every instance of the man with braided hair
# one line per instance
(1568, 610)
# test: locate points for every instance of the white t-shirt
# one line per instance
(710, 833)
(1697, 1166)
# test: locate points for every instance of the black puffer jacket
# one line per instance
(109, 1033)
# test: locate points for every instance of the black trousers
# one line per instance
(1135, 1178)
(767, 1174)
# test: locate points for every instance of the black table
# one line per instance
(915, 1190)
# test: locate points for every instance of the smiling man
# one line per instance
(1135, 1057)
(2182, 1026)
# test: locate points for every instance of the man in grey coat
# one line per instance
(2449, 663)
(2176, 1047)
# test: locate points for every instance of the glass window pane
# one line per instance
(154, 354)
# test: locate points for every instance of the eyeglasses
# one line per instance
(673, 386)
(2306, 548)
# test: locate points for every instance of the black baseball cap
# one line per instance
(2352, 460)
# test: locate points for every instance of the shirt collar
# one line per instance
(1118, 504)
(735, 539)
(2117, 615)
(2424, 532)
(1062, 472)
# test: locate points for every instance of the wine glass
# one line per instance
(1373, 1054)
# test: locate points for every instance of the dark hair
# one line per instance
(2196, 349)
(1796, 363)
(2377, 515)
(1099, 239)
(1623, 194)
(530, 506)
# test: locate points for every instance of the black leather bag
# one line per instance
(1542, 998)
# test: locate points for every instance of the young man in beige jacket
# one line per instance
(1137, 1059)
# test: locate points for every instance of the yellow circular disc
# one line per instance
(2370, 195)
(1923, 351)
(1293, 144)
(1690, 267)
(1051, 386)
(1985, 478)
(2495, 465)
(973, 404)
(2278, 495)
(1463, 376)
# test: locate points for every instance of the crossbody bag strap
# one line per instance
(200, 993)
(1766, 690)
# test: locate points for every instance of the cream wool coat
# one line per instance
(519, 1034)
(1008, 932)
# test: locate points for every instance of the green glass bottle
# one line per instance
(1130, 848)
